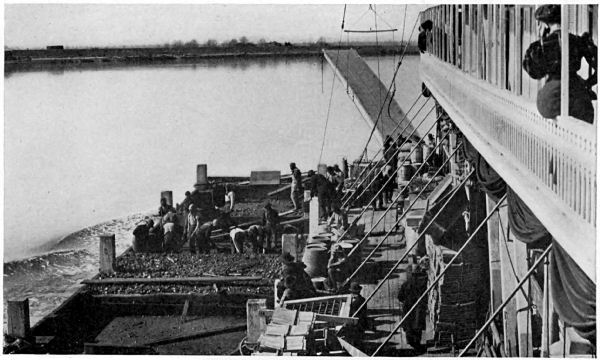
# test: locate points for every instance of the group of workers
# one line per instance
(260, 238)
(327, 188)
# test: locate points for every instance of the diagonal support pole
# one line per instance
(503, 305)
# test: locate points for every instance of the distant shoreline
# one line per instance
(44, 59)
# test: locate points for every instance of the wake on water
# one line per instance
(50, 278)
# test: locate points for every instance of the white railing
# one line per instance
(551, 164)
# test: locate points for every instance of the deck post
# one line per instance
(167, 194)
(306, 203)
(314, 216)
(256, 322)
(18, 318)
(107, 253)
(289, 244)
(524, 322)
(494, 255)
(564, 71)
(509, 282)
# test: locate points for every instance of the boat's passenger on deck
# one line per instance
(336, 184)
(543, 59)
(335, 266)
(339, 172)
(256, 238)
(356, 303)
(270, 222)
(375, 187)
(297, 187)
(229, 198)
(409, 293)
(164, 207)
(339, 218)
(424, 30)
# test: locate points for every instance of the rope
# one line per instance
(507, 300)
(332, 87)
(440, 275)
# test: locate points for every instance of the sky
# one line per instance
(85, 25)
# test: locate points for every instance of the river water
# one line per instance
(85, 147)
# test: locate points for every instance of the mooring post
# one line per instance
(18, 318)
(107, 253)
(201, 176)
(167, 194)
(256, 322)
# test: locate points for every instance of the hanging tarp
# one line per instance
(486, 176)
(573, 293)
(368, 92)
(524, 224)
(446, 219)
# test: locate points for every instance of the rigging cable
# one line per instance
(332, 87)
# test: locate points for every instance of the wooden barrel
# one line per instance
(315, 258)
(417, 154)
(427, 151)
(405, 173)
(319, 239)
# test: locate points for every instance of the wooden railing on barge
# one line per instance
(551, 164)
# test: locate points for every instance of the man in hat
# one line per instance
(543, 58)
(335, 266)
(297, 187)
(187, 201)
(191, 229)
(164, 207)
(291, 291)
(320, 187)
(270, 222)
(409, 293)
(356, 303)
(293, 268)
(424, 30)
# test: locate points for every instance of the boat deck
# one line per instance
(384, 308)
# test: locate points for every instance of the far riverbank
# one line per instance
(56, 57)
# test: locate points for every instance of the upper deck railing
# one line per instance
(551, 164)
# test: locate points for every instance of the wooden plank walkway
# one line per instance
(384, 308)
(368, 92)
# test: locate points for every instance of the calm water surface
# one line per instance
(86, 146)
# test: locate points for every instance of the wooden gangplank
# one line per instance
(368, 93)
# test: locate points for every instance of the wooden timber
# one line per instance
(368, 92)
(182, 280)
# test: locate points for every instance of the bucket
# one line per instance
(354, 259)
(417, 155)
(315, 258)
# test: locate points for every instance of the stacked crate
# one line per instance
(452, 303)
